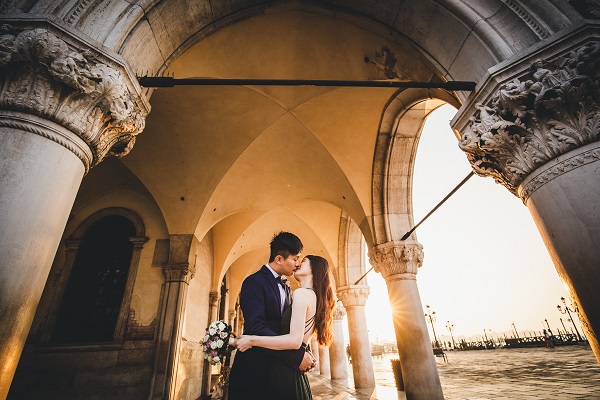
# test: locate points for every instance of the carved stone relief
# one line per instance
(213, 298)
(551, 110)
(43, 75)
(178, 272)
(339, 311)
(353, 295)
(397, 259)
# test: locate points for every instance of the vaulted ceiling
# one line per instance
(233, 159)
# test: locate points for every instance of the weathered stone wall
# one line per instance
(189, 373)
(85, 372)
(109, 370)
(143, 313)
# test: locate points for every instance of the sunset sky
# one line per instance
(485, 265)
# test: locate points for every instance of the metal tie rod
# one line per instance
(407, 234)
(167, 81)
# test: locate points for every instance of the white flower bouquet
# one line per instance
(216, 342)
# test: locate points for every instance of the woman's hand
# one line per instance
(244, 342)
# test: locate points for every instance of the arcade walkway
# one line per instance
(566, 373)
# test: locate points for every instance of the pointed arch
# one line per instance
(351, 253)
(394, 158)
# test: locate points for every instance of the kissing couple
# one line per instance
(274, 350)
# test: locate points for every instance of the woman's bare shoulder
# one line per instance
(304, 293)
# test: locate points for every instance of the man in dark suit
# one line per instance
(263, 298)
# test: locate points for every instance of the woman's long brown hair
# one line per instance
(325, 300)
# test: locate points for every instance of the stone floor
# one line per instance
(561, 373)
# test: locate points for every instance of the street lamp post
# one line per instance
(547, 324)
(431, 315)
(564, 327)
(568, 310)
(516, 333)
(450, 327)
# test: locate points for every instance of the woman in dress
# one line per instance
(311, 312)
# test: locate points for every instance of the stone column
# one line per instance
(231, 316)
(178, 272)
(534, 126)
(239, 322)
(314, 346)
(64, 106)
(398, 263)
(337, 349)
(354, 298)
(213, 304)
(324, 362)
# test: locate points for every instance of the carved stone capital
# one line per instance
(339, 311)
(138, 242)
(213, 298)
(354, 295)
(397, 258)
(178, 272)
(231, 316)
(551, 108)
(72, 84)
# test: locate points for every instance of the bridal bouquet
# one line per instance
(216, 342)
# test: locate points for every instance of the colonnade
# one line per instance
(532, 125)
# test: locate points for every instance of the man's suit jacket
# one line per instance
(260, 301)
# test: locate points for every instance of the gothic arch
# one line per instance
(395, 152)
(496, 28)
(140, 230)
(72, 247)
(351, 253)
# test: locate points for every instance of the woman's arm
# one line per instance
(291, 341)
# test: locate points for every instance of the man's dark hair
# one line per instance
(285, 244)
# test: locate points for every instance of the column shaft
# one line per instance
(169, 340)
(354, 298)
(178, 272)
(231, 318)
(565, 211)
(337, 348)
(314, 345)
(362, 362)
(419, 369)
(324, 362)
(399, 263)
(213, 312)
(39, 179)
(533, 127)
